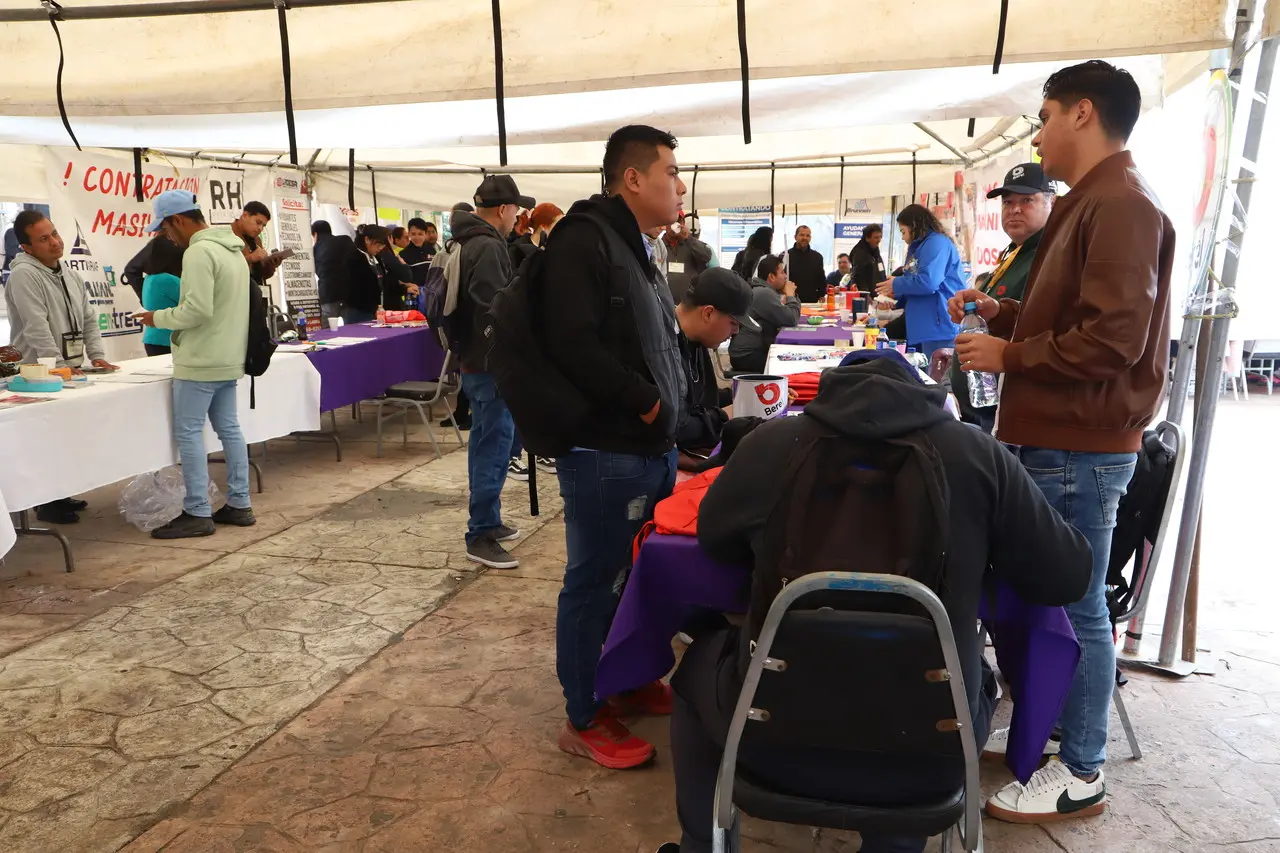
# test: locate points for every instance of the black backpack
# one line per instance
(547, 408)
(896, 489)
(259, 347)
(1138, 519)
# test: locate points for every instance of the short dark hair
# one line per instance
(868, 230)
(193, 215)
(420, 224)
(769, 265)
(376, 233)
(398, 232)
(633, 147)
(257, 208)
(800, 228)
(844, 255)
(22, 225)
(321, 226)
(165, 257)
(1112, 91)
(463, 207)
(921, 221)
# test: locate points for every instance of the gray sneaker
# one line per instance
(487, 552)
(505, 533)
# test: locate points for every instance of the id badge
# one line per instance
(72, 347)
(880, 266)
(675, 267)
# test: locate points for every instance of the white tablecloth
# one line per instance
(88, 438)
(7, 536)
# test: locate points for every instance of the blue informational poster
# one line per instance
(739, 223)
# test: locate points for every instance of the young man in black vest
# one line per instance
(622, 354)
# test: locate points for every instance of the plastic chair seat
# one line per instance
(421, 391)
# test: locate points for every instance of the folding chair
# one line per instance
(811, 672)
(1128, 601)
(422, 396)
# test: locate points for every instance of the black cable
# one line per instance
(840, 198)
(1004, 20)
(281, 11)
(373, 187)
(497, 83)
(351, 178)
(55, 12)
(972, 122)
(773, 219)
(693, 194)
(913, 177)
(137, 175)
(746, 71)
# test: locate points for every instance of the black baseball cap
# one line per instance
(497, 190)
(724, 291)
(1024, 179)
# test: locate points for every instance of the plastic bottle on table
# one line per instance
(301, 324)
(831, 298)
(381, 317)
(983, 387)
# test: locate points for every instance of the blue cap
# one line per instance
(170, 203)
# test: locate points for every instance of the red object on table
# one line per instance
(678, 513)
(403, 317)
(805, 385)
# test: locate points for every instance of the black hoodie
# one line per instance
(624, 359)
(484, 267)
(1000, 523)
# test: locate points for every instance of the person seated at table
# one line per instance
(50, 316)
(930, 277)
(998, 524)
(774, 305)
(839, 276)
(713, 308)
(364, 293)
(161, 286)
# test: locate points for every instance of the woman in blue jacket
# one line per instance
(929, 278)
(160, 289)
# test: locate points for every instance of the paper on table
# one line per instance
(301, 347)
(134, 378)
(343, 342)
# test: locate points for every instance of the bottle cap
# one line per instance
(971, 306)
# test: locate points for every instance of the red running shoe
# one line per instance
(607, 742)
(654, 700)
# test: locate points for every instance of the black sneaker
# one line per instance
(185, 527)
(546, 464)
(235, 516)
(669, 847)
(57, 513)
(505, 533)
(74, 504)
(489, 553)
(517, 470)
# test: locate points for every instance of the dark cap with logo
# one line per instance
(497, 190)
(1024, 179)
(724, 291)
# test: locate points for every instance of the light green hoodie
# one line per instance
(211, 322)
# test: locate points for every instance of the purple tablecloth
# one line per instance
(1035, 646)
(358, 372)
(817, 336)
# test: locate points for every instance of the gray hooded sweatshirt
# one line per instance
(42, 308)
(750, 347)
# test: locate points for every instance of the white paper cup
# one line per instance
(857, 339)
(335, 323)
(759, 395)
(50, 363)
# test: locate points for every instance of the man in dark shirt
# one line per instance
(421, 250)
(804, 267)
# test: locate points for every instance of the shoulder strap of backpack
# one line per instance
(919, 487)
(618, 294)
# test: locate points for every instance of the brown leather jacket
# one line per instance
(1086, 366)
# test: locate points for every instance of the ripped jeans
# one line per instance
(607, 499)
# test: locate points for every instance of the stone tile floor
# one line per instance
(155, 715)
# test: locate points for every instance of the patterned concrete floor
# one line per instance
(161, 709)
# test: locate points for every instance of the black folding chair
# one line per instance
(817, 660)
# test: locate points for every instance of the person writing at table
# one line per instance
(364, 275)
(774, 306)
(999, 526)
(50, 316)
(161, 288)
(930, 277)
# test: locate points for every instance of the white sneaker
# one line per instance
(1054, 793)
(998, 745)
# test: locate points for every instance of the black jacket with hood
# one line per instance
(623, 356)
(1000, 524)
(485, 268)
(868, 266)
(804, 267)
(333, 255)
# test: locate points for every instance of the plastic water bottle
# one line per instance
(983, 387)
(302, 324)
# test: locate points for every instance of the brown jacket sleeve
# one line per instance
(1118, 289)
(1002, 324)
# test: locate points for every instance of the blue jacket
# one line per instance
(159, 291)
(931, 276)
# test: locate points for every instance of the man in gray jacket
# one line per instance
(50, 317)
(774, 306)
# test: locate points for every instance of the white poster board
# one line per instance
(293, 231)
(739, 223)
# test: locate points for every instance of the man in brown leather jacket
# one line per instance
(1084, 360)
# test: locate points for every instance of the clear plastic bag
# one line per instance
(153, 500)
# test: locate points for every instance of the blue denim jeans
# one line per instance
(488, 453)
(1085, 489)
(607, 499)
(192, 403)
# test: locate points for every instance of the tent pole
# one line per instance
(840, 198)
(164, 10)
(746, 72)
(282, 11)
(913, 177)
(1004, 20)
(351, 179)
(498, 96)
(947, 145)
(773, 205)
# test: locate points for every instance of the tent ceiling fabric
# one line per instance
(366, 54)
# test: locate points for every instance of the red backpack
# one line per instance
(678, 514)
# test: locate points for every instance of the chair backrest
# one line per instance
(826, 673)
